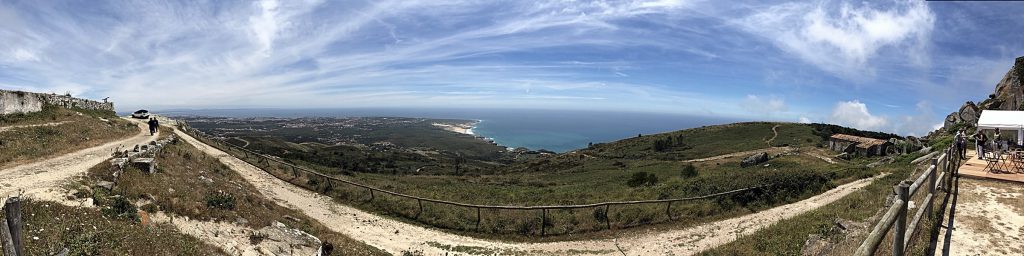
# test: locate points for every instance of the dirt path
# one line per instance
(41, 177)
(12, 127)
(395, 236)
(776, 132)
(741, 154)
(988, 220)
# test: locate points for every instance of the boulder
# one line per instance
(951, 119)
(755, 159)
(105, 184)
(969, 113)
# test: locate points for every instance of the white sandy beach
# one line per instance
(466, 128)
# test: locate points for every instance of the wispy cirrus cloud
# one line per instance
(689, 56)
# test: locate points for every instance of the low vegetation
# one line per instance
(626, 170)
(60, 131)
(788, 237)
(50, 227)
(192, 184)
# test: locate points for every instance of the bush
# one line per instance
(642, 179)
(688, 171)
(120, 208)
(221, 200)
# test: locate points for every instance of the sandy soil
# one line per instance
(456, 128)
(989, 220)
(41, 179)
(395, 236)
(235, 239)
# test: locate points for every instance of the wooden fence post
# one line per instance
(543, 220)
(903, 192)
(668, 210)
(607, 217)
(478, 219)
(419, 202)
(931, 186)
(5, 238)
(12, 211)
(371, 194)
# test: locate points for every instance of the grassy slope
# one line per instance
(83, 129)
(788, 236)
(709, 141)
(177, 189)
(588, 177)
(87, 231)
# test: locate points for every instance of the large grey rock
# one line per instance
(951, 119)
(754, 159)
(969, 113)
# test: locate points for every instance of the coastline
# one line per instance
(464, 128)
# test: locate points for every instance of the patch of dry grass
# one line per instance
(50, 227)
(190, 183)
(82, 129)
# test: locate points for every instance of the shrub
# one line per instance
(600, 215)
(642, 179)
(120, 208)
(688, 171)
(221, 200)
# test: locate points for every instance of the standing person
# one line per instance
(960, 141)
(153, 125)
(979, 140)
(995, 140)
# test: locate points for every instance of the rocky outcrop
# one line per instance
(755, 159)
(1008, 95)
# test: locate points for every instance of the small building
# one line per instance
(858, 145)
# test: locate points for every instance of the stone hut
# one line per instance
(858, 145)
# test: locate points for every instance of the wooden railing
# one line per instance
(262, 159)
(938, 175)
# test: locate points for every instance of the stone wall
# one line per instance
(28, 102)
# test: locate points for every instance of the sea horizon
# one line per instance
(534, 129)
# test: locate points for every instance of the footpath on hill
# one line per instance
(40, 179)
(396, 237)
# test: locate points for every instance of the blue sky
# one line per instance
(896, 66)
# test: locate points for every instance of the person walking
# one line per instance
(979, 140)
(960, 143)
(153, 125)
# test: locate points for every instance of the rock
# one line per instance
(969, 113)
(951, 120)
(754, 159)
(105, 184)
(816, 245)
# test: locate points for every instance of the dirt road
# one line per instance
(395, 236)
(38, 179)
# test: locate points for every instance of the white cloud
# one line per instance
(805, 120)
(764, 105)
(24, 55)
(843, 40)
(855, 114)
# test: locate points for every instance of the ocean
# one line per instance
(555, 130)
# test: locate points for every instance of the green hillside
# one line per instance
(640, 168)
